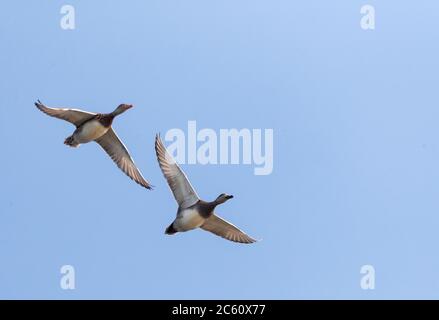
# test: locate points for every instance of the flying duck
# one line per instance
(193, 212)
(97, 127)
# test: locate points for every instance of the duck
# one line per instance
(98, 127)
(192, 212)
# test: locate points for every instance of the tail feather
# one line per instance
(70, 141)
(171, 229)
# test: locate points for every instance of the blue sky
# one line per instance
(355, 119)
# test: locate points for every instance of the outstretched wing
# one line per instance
(226, 230)
(180, 186)
(111, 143)
(74, 116)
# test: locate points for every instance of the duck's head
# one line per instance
(223, 197)
(122, 108)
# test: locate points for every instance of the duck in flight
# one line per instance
(97, 127)
(193, 212)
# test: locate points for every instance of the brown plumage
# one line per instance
(98, 127)
(105, 119)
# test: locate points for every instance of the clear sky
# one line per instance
(355, 116)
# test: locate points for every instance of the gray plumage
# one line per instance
(193, 212)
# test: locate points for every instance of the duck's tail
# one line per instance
(171, 230)
(71, 142)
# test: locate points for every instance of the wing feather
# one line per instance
(226, 230)
(114, 147)
(182, 189)
(74, 116)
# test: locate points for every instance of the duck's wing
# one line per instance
(75, 116)
(111, 143)
(180, 186)
(226, 230)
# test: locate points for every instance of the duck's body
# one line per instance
(187, 219)
(192, 212)
(192, 217)
(98, 127)
(92, 129)
(89, 131)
